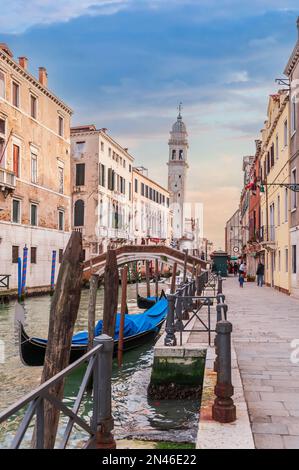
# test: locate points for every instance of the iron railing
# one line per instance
(99, 367)
(188, 303)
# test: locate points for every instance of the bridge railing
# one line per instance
(99, 368)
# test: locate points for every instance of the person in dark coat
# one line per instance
(236, 268)
(260, 274)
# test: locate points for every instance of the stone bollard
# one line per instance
(223, 409)
(102, 420)
(170, 338)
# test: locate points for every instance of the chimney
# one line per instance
(43, 76)
(23, 62)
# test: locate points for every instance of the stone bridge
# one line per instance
(131, 253)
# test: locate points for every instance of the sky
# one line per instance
(126, 64)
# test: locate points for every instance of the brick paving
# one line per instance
(265, 322)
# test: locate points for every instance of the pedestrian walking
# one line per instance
(242, 274)
(236, 268)
(260, 274)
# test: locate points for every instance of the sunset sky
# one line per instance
(126, 64)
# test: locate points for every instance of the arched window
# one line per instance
(79, 213)
(181, 154)
(173, 155)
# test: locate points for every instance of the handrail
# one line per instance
(99, 360)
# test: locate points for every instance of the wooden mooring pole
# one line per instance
(157, 278)
(124, 282)
(93, 287)
(185, 266)
(63, 314)
(111, 283)
(147, 278)
(173, 279)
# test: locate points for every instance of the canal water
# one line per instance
(135, 416)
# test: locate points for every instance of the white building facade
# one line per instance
(151, 212)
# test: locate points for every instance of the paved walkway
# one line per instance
(264, 324)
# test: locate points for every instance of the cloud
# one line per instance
(19, 15)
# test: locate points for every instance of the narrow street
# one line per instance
(265, 322)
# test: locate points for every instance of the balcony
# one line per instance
(7, 181)
(267, 235)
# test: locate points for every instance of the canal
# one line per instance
(135, 416)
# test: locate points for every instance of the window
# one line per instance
(33, 214)
(278, 210)
(2, 85)
(60, 220)
(276, 147)
(136, 185)
(286, 260)
(79, 213)
(102, 146)
(111, 179)
(286, 204)
(181, 153)
(15, 253)
(80, 174)
(60, 255)
(109, 151)
(33, 168)
(285, 132)
(294, 260)
(16, 159)
(2, 126)
(142, 189)
(15, 94)
(293, 115)
(130, 168)
(102, 175)
(279, 261)
(79, 148)
(272, 155)
(60, 179)
(130, 191)
(173, 155)
(60, 126)
(293, 193)
(268, 162)
(16, 211)
(33, 251)
(272, 223)
(33, 106)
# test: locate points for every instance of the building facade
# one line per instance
(292, 72)
(102, 190)
(244, 204)
(151, 212)
(35, 196)
(274, 201)
(233, 240)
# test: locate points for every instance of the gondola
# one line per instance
(148, 302)
(139, 328)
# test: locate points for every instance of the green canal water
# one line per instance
(135, 416)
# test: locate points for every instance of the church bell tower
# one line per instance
(177, 173)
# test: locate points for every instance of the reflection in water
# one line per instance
(134, 415)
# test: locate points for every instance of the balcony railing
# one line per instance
(7, 179)
(267, 233)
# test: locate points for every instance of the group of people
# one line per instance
(241, 269)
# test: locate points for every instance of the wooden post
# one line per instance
(147, 277)
(111, 282)
(63, 314)
(124, 281)
(94, 280)
(185, 266)
(157, 278)
(193, 270)
(136, 279)
(172, 287)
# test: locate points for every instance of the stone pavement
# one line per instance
(265, 322)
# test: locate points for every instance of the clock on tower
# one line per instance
(177, 168)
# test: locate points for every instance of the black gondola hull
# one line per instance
(32, 351)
